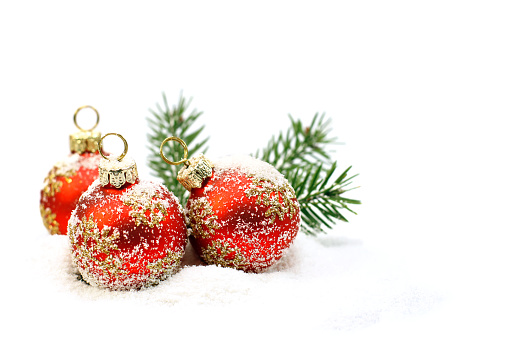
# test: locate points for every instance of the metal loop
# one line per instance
(121, 155)
(180, 141)
(76, 122)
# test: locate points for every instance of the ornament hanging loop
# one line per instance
(196, 169)
(180, 141)
(76, 115)
(121, 155)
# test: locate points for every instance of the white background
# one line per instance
(417, 90)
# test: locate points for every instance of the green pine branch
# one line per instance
(175, 121)
(301, 155)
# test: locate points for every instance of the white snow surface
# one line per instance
(324, 284)
(248, 166)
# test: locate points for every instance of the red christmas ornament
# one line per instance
(126, 233)
(69, 178)
(243, 213)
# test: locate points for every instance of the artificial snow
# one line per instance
(115, 165)
(249, 166)
(321, 285)
(74, 161)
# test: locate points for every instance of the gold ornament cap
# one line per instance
(85, 140)
(196, 169)
(118, 171)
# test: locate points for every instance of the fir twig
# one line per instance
(174, 121)
(301, 156)
(299, 146)
(322, 201)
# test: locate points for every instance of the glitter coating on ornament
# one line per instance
(63, 186)
(244, 216)
(127, 238)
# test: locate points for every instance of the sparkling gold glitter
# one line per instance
(269, 194)
(141, 203)
(166, 265)
(224, 254)
(202, 218)
(100, 242)
(48, 218)
(52, 185)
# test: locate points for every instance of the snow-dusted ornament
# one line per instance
(70, 177)
(126, 233)
(243, 213)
